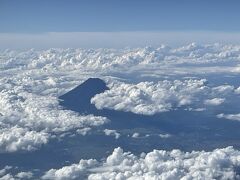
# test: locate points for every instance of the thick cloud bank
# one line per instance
(29, 120)
(154, 97)
(107, 59)
(148, 97)
(31, 81)
(158, 164)
(6, 175)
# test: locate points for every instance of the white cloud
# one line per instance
(110, 132)
(214, 101)
(135, 135)
(42, 114)
(15, 138)
(235, 117)
(31, 81)
(224, 89)
(24, 175)
(70, 172)
(165, 135)
(158, 164)
(148, 97)
(4, 170)
(6, 175)
(83, 131)
(237, 90)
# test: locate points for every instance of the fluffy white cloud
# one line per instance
(214, 101)
(6, 175)
(31, 81)
(4, 170)
(149, 97)
(165, 135)
(237, 90)
(21, 111)
(158, 164)
(235, 117)
(110, 132)
(83, 131)
(223, 89)
(135, 135)
(73, 59)
(24, 175)
(70, 172)
(15, 138)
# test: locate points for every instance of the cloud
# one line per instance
(22, 111)
(237, 91)
(83, 131)
(32, 80)
(4, 170)
(70, 172)
(135, 135)
(24, 175)
(165, 135)
(224, 89)
(15, 138)
(6, 175)
(110, 132)
(235, 117)
(213, 56)
(158, 164)
(214, 101)
(148, 97)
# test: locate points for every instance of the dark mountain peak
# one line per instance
(79, 98)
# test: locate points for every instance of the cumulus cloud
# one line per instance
(237, 90)
(149, 97)
(135, 135)
(72, 59)
(235, 117)
(214, 101)
(22, 111)
(31, 81)
(83, 131)
(158, 164)
(6, 175)
(24, 175)
(71, 172)
(15, 138)
(224, 89)
(4, 170)
(110, 132)
(165, 135)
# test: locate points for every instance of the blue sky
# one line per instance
(28, 17)
(118, 15)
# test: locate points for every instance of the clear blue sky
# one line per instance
(36, 16)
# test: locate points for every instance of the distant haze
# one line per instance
(112, 39)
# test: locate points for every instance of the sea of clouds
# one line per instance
(149, 98)
(158, 164)
(31, 82)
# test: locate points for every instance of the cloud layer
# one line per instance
(28, 120)
(149, 98)
(31, 81)
(158, 164)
